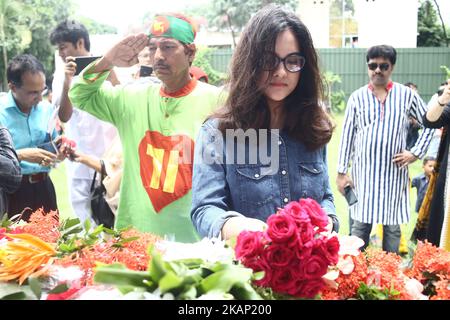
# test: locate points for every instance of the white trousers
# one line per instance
(80, 198)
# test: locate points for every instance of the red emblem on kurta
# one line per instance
(166, 167)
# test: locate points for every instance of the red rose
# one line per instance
(330, 248)
(281, 228)
(283, 280)
(258, 265)
(305, 232)
(318, 217)
(307, 288)
(315, 266)
(297, 212)
(249, 244)
(279, 255)
(304, 252)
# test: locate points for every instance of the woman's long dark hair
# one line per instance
(246, 106)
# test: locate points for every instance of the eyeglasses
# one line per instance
(383, 66)
(293, 62)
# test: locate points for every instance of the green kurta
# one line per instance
(157, 135)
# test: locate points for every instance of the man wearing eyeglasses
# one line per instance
(373, 142)
(27, 118)
(157, 122)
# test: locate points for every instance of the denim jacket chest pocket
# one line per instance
(312, 180)
(255, 184)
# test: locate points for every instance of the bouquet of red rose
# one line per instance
(294, 252)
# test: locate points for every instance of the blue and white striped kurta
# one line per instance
(373, 133)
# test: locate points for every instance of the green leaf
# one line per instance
(87, 225)
(69, 223)
(120, 276)
(244, 291)
(15, 296)
(224, 280)
(169, 282)
(157, 267)
(189, 294)
(11, 291)
(35, 286)
(59, 289)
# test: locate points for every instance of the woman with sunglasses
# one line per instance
(266, 146)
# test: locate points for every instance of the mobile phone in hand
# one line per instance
(145, 71)
(82, 62)
(350, 195)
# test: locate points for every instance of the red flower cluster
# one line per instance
(348, 284)
(293, 252)
(134, 254)
(431, 264)
(43, 225)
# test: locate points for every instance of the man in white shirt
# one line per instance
(92, 136)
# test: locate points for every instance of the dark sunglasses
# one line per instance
(383, 66)
(293, 62)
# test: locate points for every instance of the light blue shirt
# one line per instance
(27, 130)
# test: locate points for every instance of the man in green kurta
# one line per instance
(157, 124)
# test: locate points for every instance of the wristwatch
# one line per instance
(442, 105)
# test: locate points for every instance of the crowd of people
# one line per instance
(184, 159)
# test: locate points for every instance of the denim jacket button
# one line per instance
(283, 172)
(256, 175)
(286, 200)
(279, 142)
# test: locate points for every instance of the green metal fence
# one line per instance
(419, 65)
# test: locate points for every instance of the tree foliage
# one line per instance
(430, 33)
(202, 60)
(95, 27)
(233, 15)
(14, 35)
(26, 24)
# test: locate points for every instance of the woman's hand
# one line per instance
(236, 225)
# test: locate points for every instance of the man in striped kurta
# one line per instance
(373, 142)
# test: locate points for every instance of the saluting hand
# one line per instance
(125, 53)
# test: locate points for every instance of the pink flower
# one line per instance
(318, 217)
(349, 245)
(414, 289)
(281, 228)
(346, 265)
(249, 244)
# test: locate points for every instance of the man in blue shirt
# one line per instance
(22, 112)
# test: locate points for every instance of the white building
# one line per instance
(379, 21)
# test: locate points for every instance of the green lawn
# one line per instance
(59, 179)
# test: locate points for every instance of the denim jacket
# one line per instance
(10, 176)
(223, 187)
